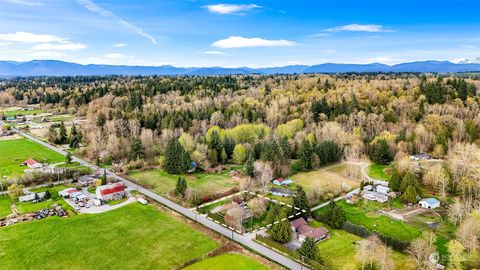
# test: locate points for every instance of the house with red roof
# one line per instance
(32, 163)
(303, 230)
(111, 191)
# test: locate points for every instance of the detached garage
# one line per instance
(429, 203)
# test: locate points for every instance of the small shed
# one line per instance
(282, 182)
(429, 203)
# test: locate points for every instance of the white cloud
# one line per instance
(26, 3)
(26, 37)
(114, 56)
(119, 45)
(214, 53)
(357, 28)
(66, 46)
(91, 6)
(230, 8)
(329, 51)
(242, 42)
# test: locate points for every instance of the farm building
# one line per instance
(110, 191)
(376, 193)
(68, 192)
(421, 156)
(32, 196)
(32, 163)
(303, 231)
(429, 203)
(281, 192)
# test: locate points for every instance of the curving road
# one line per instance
(246, 240)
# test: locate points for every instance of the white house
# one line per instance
(383, 189)
(429, 203)
(32, 163)
(375, 196)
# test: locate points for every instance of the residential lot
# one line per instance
(132, 237)
(203, 184)
(228, 262)
(365, 213)
(344, 243)
(323, 184)
(14, 152)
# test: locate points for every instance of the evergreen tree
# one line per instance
(316, 110)
(74, 137)
(300, 200)
(334, 216)
(181, 187)
(216, 144)
(68, 158)
(273, 213)
(104, 178)
(309, 249)
(328, 152)
(285, 148)
(395, 181)
(62, 134)
(136, 150)
(409, 179)
(249, 168)
(410, 195)
(52, 134)
(282, 231)
(177, 160)
(381, 153)
(305, 156)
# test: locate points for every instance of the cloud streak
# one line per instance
(243, 42)
(26, 37)
(372, 28)
(25, 3)
(230, 8)
(91, 6)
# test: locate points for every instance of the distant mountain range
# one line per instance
(60, 68)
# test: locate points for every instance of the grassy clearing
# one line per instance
(131, 237)
(204, 184)
(14, 152)
(228, 262)
(339, 251)
(10, 113)
(5, 203)
(365, 214)
(115, 202)
(323, 181)
(377, 171)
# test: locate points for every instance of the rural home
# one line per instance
(282, 182)
(111, 191)
(303, 231)
(429, 203)
(32, 163)
(421, 156)
(378, 193)
(32, 197)
(281, 192)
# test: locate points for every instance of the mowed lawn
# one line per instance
(320, 180)
(131, 237)
(10, 113)
(366, 215)
(228, 262)
(203, 183)
(5, 203)
(14, 152)
(377, 171)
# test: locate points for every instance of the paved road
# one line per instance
(246, 240)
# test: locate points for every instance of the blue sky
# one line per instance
(238, 33)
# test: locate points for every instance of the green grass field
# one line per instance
(9, 113)
(131, 237)
(365, 215)
(339, 251)
(377, 171)
(14, 152)
(228, 262)
(5, 203)
(205, 184)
